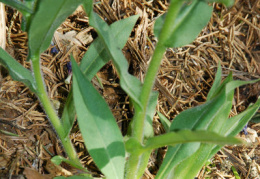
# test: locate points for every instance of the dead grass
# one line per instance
(184, 79)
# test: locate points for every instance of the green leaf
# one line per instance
(182, 152)
(47, 18)
(100, 132)
(235, 172)
(185, 136)
(18, 5)
(165, 122)
(188, 24)
(57, 160)
(236, 123)
(174, 156)
(68, 114)
(94, 59)
(127, 81)
(17, 71)
(202, 117)
(97, 56)
(211, 116)
(26, 18)
(197, 118)
(189, 167)
(256, 118)
(217, 83)
(148, 126)
(232, 126)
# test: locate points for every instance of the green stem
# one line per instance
(51, 113)
(139, 117)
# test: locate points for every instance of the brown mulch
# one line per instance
(27, 140)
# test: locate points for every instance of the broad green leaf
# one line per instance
(127, 81)
(18, 5)
(97, 56)
(94, 59)
(165, 122)
(47, 18)
(100, 132)
(232, 126)
(213, 117)
(197, 118)
(17, 71)
(202, 117)
(188, 24)
(185, 136)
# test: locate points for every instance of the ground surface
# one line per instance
(184, 79)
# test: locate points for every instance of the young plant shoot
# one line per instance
(191, 141)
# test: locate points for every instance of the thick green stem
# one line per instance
(51, 113)
(139, 118)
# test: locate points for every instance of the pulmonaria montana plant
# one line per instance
(193, 137)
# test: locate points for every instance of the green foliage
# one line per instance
(20, 6)
(211, 116)
(187, 25)
(118, 59)
(165, 122)
(57, 160)
(256, 118)
(17, 71)
(193, 136)
(98, 126)
(47, 18)
(186, 136)
(94, 59)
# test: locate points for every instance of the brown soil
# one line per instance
(27, 140)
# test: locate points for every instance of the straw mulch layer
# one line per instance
(27, 140)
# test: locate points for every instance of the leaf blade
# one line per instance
(17, 71)
(107, 148)
(49, 15)
(188, 24)
(186, 136)
(20, 6)
(94, 59)
(119, 60)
